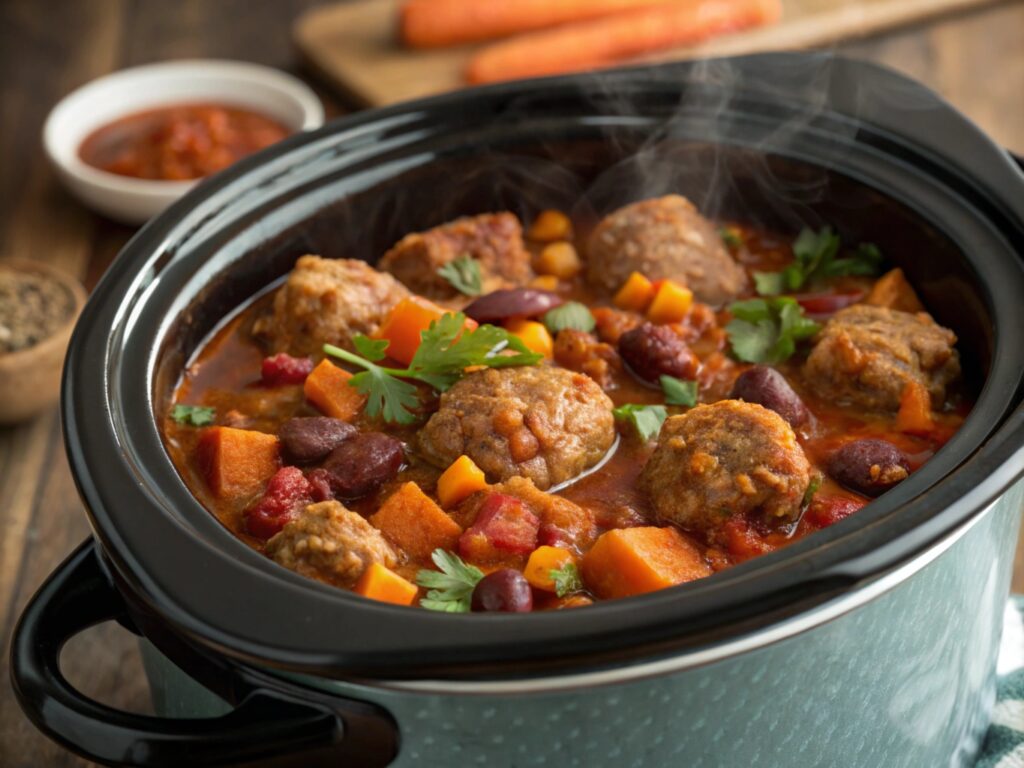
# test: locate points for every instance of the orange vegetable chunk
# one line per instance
(915, 414)
(412, 520)
(544, 560)
(379, 583)
(632, 561)
(462, 479)
(237, 463)
(894, 291)
(635, 294)
(534, 335)
(560, 260)
(404, 324)
(670, 304)
(550, 225)
(327, 387)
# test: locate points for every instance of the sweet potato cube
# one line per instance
(631, 561)
(550, 225)
(411, 520)
(379, 583)
(462, 479)
(635, 294)
(894, 291)
(544, 560)
(237, 463)
(534, 335)
(560, 260)
(327, 387)
(915, 413)
(404, 324)
(670, 304)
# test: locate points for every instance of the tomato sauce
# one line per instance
(179, 142)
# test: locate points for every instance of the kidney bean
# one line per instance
(511, 302)
(868, 466)
(361, 464)
(306, 439)
(504, 590)
(283, 369)
(769, 388)
(652, 350)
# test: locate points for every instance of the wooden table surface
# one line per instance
(46, 50)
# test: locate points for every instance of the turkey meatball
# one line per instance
(664, 237)
(865, 356)
(330, 543)
(723, 459)
(494, 240)
(547, 424)
(328, 301)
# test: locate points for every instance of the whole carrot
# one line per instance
(594, 44)
(437, 23)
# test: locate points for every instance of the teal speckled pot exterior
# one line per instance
(906, 680)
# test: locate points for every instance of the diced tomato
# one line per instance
(287, 493)
(281, 370)
(828, 510)
(503, 524)
(827, 303)
(742, 541)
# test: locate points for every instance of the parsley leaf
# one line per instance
(815, 255)
(463, 274)
(678, 392)
(730, 237)
(446, 349)
(646, 419)
(571, 315)
(812, 488)
(767, 330)
(193, 415)
(451, 589)
(567, 579)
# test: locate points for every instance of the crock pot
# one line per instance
(870, 643)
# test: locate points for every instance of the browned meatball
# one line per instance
(547, 424)
(495, 240)
(723, 459)
(665, 237)
(330, 543)
(865, 356)
(328, 301)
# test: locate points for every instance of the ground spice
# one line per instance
(33, 306)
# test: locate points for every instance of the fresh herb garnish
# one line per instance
(678, 391)
(566, 579)
(815, 254)
(446, 350)
(463, 274)
(451, 589)
(767, 330)
(193, 415)
(571, 315)
(730, 237)
(646, 419)
(812, 488)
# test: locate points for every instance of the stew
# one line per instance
(498, 421)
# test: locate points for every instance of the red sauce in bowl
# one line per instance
(179, 142)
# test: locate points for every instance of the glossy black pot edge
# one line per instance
(601, 635)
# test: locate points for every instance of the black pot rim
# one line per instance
(246, 607)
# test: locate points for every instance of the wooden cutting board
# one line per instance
(353, 44)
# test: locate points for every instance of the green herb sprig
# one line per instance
(815, 254)
(451, 588)
(193, 415)
(646, 419)
(570, 316)
(567, 579)
(446, 349)
(463, 274)
(767, 330)
(678, 391)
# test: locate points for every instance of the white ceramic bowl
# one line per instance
(133, 201)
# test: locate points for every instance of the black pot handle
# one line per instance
(266, 728)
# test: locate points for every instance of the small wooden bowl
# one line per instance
(30, 377)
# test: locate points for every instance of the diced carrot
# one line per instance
(545, 283)
(671, 303)
(439, 23)
(894, 291)
(328, 388)
(412, 520)
(593, 44)
(549, 226)
(635, 294)
(533, 334)
(631, 561)
(544, 560)
(462, 479)
(404, 324)
(237, 463)
(559, 259)
(379, 583)
(915, 414)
